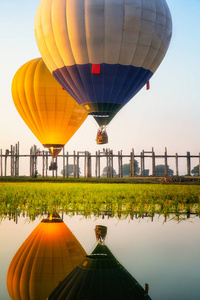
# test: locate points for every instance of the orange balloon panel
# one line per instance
(48, 110)
(47, 256)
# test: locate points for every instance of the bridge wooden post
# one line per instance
(119, 168)
(120, 164)
(47, 163)
(99, 171)
(107, 165)
(35, 160)
(17, 163)
(43, 165)
(96, 163)
(199, 164)
(88, 165)
(166, 173)
(1, 156)
(56, 167)
(31, 163)
(141, 163)
(153, 163)
(63, 162)
(176, 163)
(111, 162)
(6, 155)
(132, 165)
(74, 164)
(77, 165)
(12, 160)
(85, 164)
(67, 164)
(188, 164)
(16, 160)
(52, 161)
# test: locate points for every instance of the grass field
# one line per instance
(112, 199)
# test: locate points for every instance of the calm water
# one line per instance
(166, 255)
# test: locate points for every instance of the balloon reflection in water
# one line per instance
(103, 52)
(99, 276)
(47, 256)
(47, 109)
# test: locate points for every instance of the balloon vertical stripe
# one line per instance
(128, 39)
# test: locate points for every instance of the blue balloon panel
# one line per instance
(105, 92)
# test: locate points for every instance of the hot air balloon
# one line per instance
(46, 257)
(99, 276)
(103, 51)
(48, 110)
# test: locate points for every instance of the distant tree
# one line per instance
(104, 172)
(70, 170)
(160, 170)
(146, 172)
(126, 169)
(195, 170)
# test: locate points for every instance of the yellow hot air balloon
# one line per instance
(46, 257)
(48, 110)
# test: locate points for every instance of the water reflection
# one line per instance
(163, 254)
(99, 277)
(46, 257)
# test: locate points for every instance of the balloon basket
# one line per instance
(102, 137)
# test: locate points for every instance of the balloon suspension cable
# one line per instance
(102, 127)
(93, 121)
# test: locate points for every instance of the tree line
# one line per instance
(159, 170)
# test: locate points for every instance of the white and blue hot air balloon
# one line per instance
(103, 51)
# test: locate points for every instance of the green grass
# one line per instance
(191, 180)
(113, 199)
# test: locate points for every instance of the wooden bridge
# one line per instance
(89, 159)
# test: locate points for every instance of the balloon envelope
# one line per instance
(99, 276)
(48, 110)
(46, 257)
(103, 52)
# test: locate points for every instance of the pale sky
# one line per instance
(165, 116)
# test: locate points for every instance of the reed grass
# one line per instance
(119, 200)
